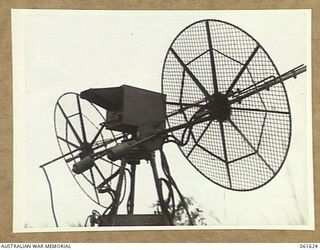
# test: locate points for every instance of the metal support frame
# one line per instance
(116, 202)
(163, 205)
(130, 204)
(113, 218)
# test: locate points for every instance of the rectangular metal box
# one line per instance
(128, 108)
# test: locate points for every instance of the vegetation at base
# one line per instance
(180, 214)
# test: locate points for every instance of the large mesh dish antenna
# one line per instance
(79, 132)
(209, 67)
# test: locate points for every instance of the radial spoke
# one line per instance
(199, 138)
(86, 178)
(84, 136)
(70, 124)
(68, 142)
(213, 67)
(225, 151)
(182, 86)
(260, 110)
(96, 136)
(94, 185)
(193, 77)
(99, 171)
(108, 180)
(68, 146)
(242, 70)
(249, 143)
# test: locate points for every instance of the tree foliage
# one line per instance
(180, 214)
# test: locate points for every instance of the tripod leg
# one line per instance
(114, 209)
(166, 171)
(130, 204)
(164, 208)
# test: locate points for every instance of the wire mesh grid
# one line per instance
(247, 150)
(77, 121)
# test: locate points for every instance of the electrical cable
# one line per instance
(87, 220)
(51, 197)
(124, 188)
(170, 196)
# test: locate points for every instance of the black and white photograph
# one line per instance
(150, 120)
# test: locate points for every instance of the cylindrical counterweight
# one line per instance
(118, 151)
(83, 165)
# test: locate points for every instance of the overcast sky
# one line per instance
(70, 51)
